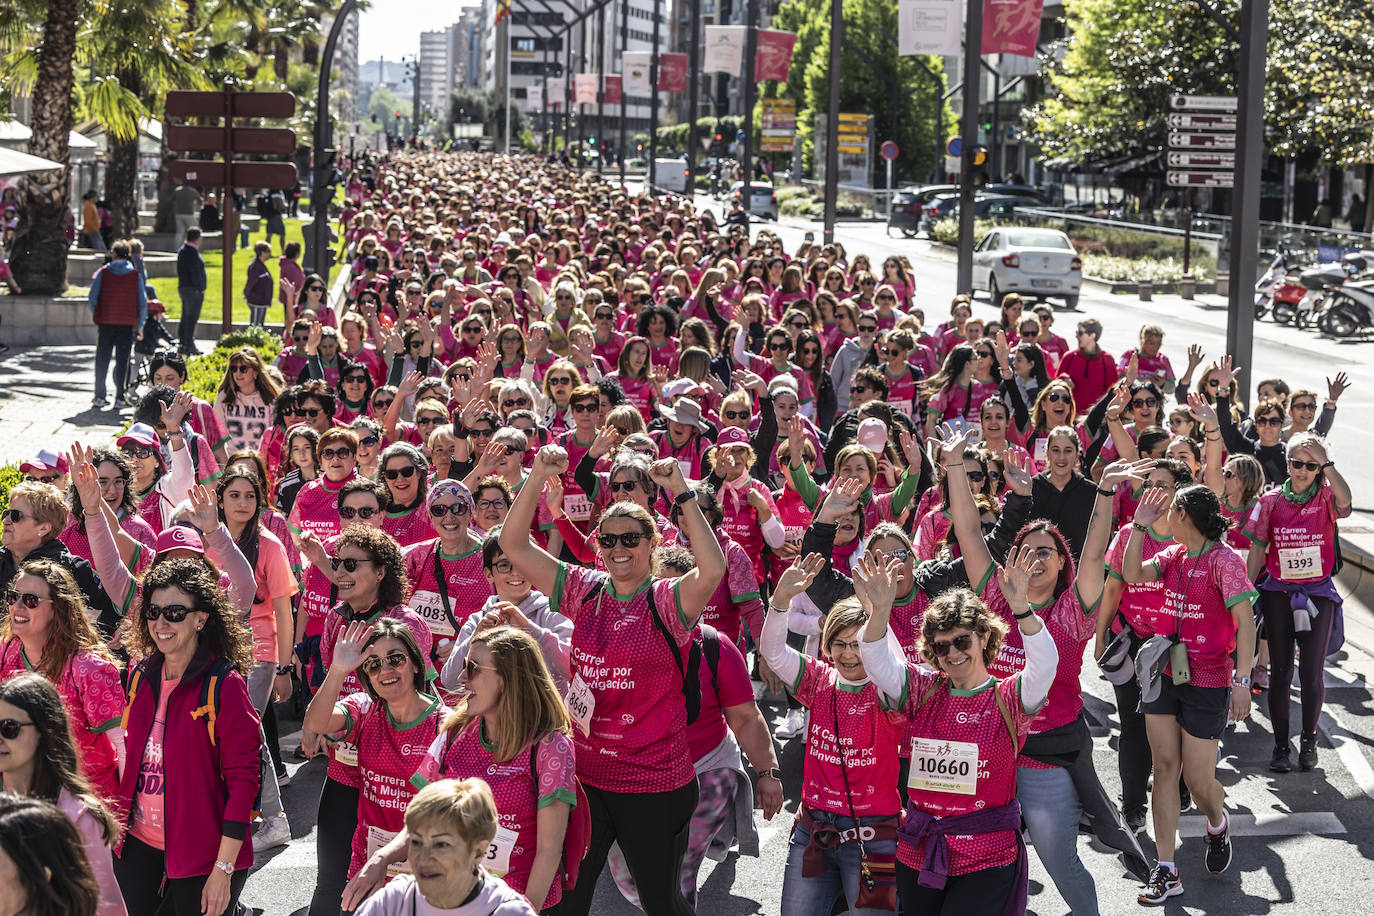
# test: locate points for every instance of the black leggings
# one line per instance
(269, 728)
(140, 870)
(652, 828)
(334, 826)
(1133, 757)
(983, 891)
(1278, 624)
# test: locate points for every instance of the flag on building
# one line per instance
(502, 11)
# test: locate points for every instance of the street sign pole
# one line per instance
(229, 235)
(832, 120)
(693, 95)
(751, 45)
(1240, 325)
(973, 50)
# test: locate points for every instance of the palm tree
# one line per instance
(44, 32)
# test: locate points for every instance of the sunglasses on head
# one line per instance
(28, 599)
(1295, 464)
(172, 613)
(629, 539)
(365, 512)
(350, 564)
(393, 660)
(329, 454)
(940, 647)
(10, 728)
(439, 510)
(407, 472)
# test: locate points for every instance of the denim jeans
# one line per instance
(260, 693)
(802, 896)
(112, 340)
(1051, 810)
(191, 301)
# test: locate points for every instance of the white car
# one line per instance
(763, 198)
(1037, 263)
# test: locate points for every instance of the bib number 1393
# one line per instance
(1301, 562)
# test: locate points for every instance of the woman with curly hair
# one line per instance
(117, 501)
(192, 779)
(47, 631)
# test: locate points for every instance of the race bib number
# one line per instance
(1300, 562)
(686, 466)
(581, 704)
(1042, 448)
(431, 609)
(346, 753)
(577, 506)
(944, 766)
(902, 404)
(497, 860)
(376, 839)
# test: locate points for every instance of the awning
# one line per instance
(15, 135)
(13, 162)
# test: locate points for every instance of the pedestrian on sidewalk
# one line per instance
(119, 306)
(258, 289)
(186, 204)
(191, 285)
(289, 270)
(90, 222)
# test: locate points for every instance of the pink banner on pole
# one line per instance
(774, 56)
(610, 90)
(1011, 26)
(672, 72)
(584, 89)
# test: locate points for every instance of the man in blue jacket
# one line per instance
(119, 307)
(191, 287)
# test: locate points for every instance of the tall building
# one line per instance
(345, 65)
(436, 70)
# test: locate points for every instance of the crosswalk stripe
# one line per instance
(1348, 749)
(1267, 823)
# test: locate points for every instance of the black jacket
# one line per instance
(87, 581)
(1070, 508)
(190, 268)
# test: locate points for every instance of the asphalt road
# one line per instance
(1304, 842)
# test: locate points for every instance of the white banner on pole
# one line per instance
(929, 26)
(557, 88)
(724, 48)
(584, 88)
(635, 67)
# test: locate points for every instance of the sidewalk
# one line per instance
(45, 402)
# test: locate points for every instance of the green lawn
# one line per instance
(214, 273)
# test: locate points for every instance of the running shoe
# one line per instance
(1307, 752)
(792, 726)
(1219, 850)
(271, 833)
(1282, 761)
(1259, 680)
(1162, 885)
(1185, 800)
(1135, 820)
(99, 403)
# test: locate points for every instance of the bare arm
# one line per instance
(538, 564)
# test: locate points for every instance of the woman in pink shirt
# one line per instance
(316, 505)
(41, 763)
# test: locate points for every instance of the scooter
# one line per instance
(1350, 309)
(1276, 278)
(1321, 282)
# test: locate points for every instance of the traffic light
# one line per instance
(979, 174)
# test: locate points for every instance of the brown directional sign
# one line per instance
(275, 140)
(187, 104)
(206, 173)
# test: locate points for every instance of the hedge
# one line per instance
(203, 375)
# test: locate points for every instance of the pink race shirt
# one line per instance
(389, 754)
(1301, 540)
(132, 524)
(736, 596)
(1140, 603)
(730, 687)
(148, 820)
(639, 394)
(970, 720)
(866, 746)
(1198, 594)
(519, 799)
(274, 580)
(409, 526)
(465, 586)
(629, 715)
(317, 507)
(742, 521)
(901, 389)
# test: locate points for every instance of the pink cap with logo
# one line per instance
(872, 435)
(179, 537)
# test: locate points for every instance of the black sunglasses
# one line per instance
(241, 369)
(1055, 397)
(630, 539)
(368, 441)
(1143, 402)
(459, 508)
(868, 329)
(311, 412)
(408, 471)
(138, 451)
(10, 728)
(350, 564)
(355, 379)
(586, 407)
(940, 647)
(329, 454)
(1295, 464)
(393, 660)
(172, 613)
(623, 486)
(348, 512)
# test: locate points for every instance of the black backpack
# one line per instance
(708, 644)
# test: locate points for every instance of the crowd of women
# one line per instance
(560, 487)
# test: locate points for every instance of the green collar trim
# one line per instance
(434, 703)
(610, 590)
(973, 691)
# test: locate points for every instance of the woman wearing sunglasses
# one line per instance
(388, 714)
(561, 379)
(445, 572)
(368, 574)
(1293, 539)
(245, 399)
(1129, 408)
(630, 739)
(935, 522)
(369, 434)
(315, 507)
(159, 486)
(1053, 408)
(189, 790)
(115, 475)
(1055, 782)
(405, 471)
(513, 731)
(960, 848)
(353, 389)
(46, 630)
(40, 761)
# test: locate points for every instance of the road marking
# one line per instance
(1267, 823)
(1348, 749)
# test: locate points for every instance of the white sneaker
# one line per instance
(271, 833)
(792, 726)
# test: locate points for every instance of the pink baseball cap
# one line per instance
(46, 460)
(872, 435)
(179, 537)
(732, 436)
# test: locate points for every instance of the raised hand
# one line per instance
(1152, 506)
(749, 380)
(660, 376)
(1334, 389)
(174, 413)
(351, 648)
(1201, 410)
(953, 444)
(607, 440)
(312, 344)
(86, 481)
(1120, 397)
(1001, 349)
(1132, 368)
(1226, 373)
(911, 448)
(1121, 471)
(1195, 357)
(1016, 471)
(204, 512)
(667, 473)
(409, 385)
(875, 579)
(1014, 578)
(797, 578)
(553, 494)
(551, 461)
(842, 499)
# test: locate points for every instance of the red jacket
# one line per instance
(118, 298)
(1091, 376)
(207, 784)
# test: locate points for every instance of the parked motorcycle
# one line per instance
(1278, 282)
(1349, 310)
(1321, 283)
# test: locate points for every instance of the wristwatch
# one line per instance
(226, 867)
(774, 772)
(685, 496)
(1240, 681)
(284, 669)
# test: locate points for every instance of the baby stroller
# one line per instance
(155, 337)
